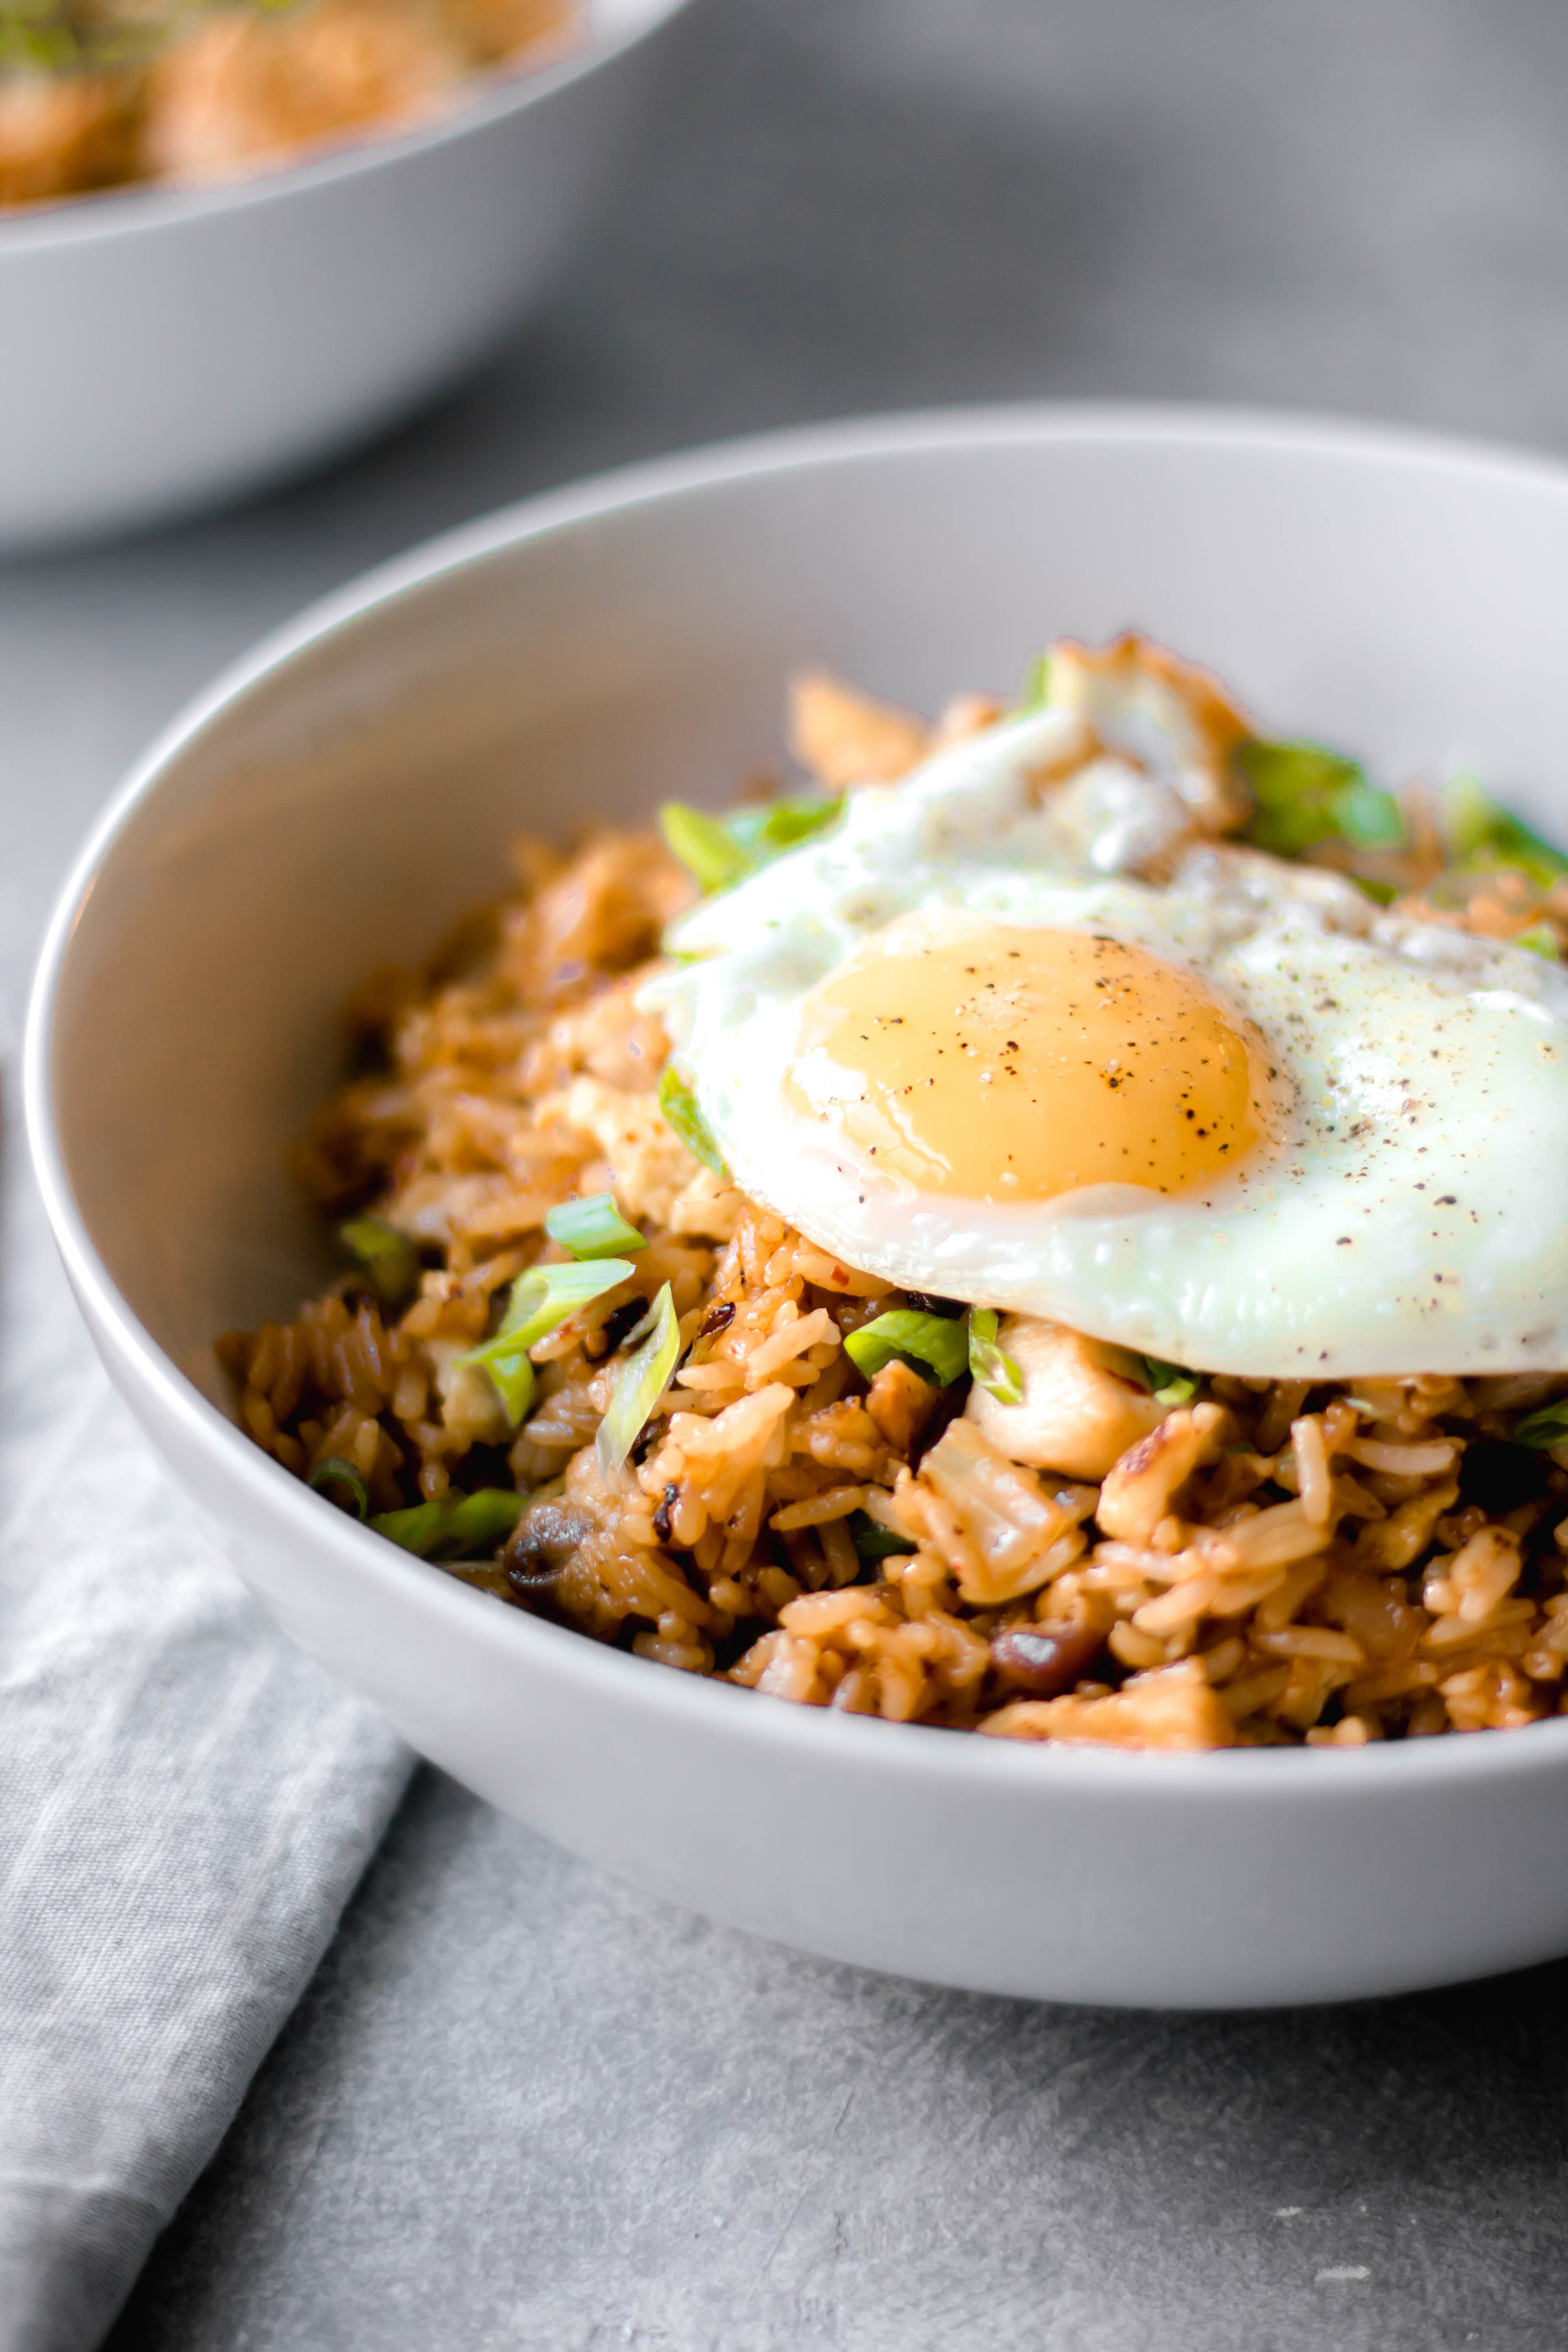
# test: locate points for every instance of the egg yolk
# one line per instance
(1016, 1064)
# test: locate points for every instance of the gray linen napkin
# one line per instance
(186, 1804)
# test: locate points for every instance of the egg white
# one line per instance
(1410, 1219)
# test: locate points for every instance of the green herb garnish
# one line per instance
(766, 830)
(1547, 1427)
(453, 1526)
(1170, 1384)
(1305, 795)
(1036, 691)
(720, 851)
(540, 1300)
(331, 1470)
(592, 1228)
(1541, 940)
(939, 1343)
(388, 1257)
(704, 844)
(996, 1371)
(873, 1542)
(58, 37)
(1480, 836)
(677, 1101)
(641, 1383)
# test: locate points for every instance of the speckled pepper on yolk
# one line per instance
(1014, 1064)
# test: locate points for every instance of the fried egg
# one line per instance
(1016, 1032)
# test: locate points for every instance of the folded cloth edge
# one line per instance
(186, 1803)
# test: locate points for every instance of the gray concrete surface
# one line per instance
(523, 2106)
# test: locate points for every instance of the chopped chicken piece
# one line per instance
(61, 134)
(1083, 1405)
(847, 738)
(245, 90)
(1169, 715)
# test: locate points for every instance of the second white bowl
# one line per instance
(163, 349)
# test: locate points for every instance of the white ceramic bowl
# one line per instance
(336, 800)
(162, 348)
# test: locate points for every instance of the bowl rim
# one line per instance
(918, 1751)
(493, 93)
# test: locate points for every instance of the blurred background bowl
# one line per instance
(162, 350)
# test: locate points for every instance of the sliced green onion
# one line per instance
(639, 1384)
(1368, 817)
(540, 1299)
(873, 1542)
(388, 1257)
(1305, 795)
(544, 1296)
(1170, 1384)
(719, 851)
(766, 830)
(1479, 835)
(1542, 940)
(1036, 687)
(996, 1371)
(678, 1103)
(704, 844)
(453, 1526)
(592, 1228)
(512, 1375)
(1382, 893)
(1547, 1427)
(938, 1341)
(332, 1471)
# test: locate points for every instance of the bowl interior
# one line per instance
(585, 659)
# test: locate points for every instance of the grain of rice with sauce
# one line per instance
(1265, 1563)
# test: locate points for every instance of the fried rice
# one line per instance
(97, 93)
(1265, 1563)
